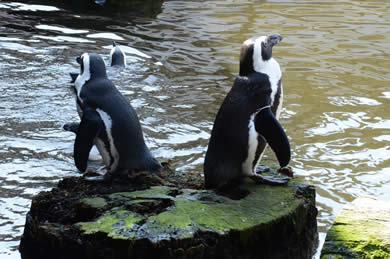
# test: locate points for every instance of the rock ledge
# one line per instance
(78, 219)
(361, 230)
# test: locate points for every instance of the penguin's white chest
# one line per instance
(272, 69)
(83, 77)
(247, 166)
(110, 154)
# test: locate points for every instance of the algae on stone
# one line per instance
(154, 192)
(361, 230)
(117, 223)
(216, 214)
(95, 202)
(124, 220)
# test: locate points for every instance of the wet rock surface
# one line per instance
(361, 230)
(168, 215)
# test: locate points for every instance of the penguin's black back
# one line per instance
(100, 93)
(228, 145)
(117, 57)
(246, 60)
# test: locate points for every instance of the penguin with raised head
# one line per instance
(108, 121)
(256, 56)
(244, 119)
(117, 59)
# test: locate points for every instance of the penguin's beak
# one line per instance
(274, 39)
(269, 127)
(78, 60)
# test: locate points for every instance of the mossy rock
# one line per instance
(361, 230)
(170, 222)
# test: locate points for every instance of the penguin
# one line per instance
(244, 120)
(256, 56)
(117, 56)
(107, 121)
(117, 59)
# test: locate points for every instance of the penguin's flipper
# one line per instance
(72, 127)
(89, 128)
(268, 126)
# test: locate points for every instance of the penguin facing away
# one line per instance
(117, 56)
(256, 56)
(244, 119)
(108, 121)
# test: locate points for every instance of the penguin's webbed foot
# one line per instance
(287, 170)
(271, 180)
(99, 178)
(262, 169)
(100, 175)
(92, 176)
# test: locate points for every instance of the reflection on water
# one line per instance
(183, 57)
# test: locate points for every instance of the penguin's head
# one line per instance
(256, 51)
(91, 66)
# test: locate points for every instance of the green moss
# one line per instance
(196, 210)
(117, 223)
(190, 215)
(154, 192)
(360, 237)
(360, 229)
(138, 201)
(96, 202)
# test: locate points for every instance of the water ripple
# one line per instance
(182, 59)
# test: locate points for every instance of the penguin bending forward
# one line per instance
(244, 121)
(256, 56)
(108, 121)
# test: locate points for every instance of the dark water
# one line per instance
(183, 57)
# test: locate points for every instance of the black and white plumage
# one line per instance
(108, 121)
(245, 120)
(117, 59)
(256, 56)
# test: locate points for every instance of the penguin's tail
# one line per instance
(152, 165)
